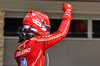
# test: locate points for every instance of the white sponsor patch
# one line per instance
(23, 52)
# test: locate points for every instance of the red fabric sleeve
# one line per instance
(59, 34)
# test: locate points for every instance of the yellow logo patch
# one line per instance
(68, 10)
(69, 5)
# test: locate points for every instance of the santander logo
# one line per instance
(23, 52)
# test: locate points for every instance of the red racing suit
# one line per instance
(31, 52)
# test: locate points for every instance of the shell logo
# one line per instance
(69, 5)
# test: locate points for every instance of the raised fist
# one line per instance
(67, 7)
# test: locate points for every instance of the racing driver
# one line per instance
(35, 37)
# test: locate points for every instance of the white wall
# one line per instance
(51, 8)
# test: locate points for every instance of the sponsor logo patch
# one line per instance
(23, 62)
(23, 52)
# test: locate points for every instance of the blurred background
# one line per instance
(80, 47)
